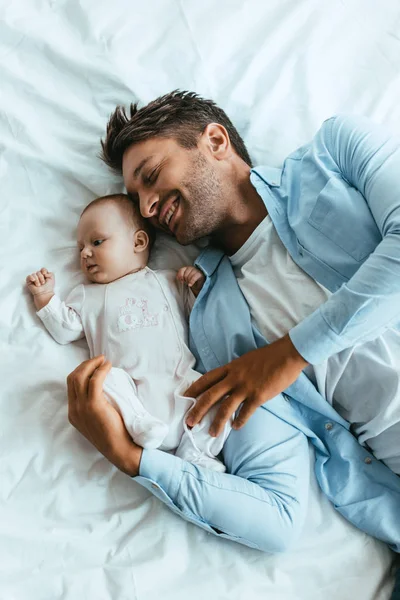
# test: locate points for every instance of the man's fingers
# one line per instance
(83, 373)
(225, 412)
(70, 387)
(97, 380)
(88, 367)
(248, 408)
(206, 400)
(204, 382)
(71, 399)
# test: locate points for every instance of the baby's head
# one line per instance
(113, 239)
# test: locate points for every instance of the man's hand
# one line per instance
(96, 419)
(251, 379)
(193, 277)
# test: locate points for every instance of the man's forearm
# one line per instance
(130, 462)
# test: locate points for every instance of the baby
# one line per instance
(135, 317)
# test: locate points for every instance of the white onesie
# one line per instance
(138, 322)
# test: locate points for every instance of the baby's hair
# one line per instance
(130, 209)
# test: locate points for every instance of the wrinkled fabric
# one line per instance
(71, 524)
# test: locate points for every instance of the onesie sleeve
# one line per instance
(63, 319)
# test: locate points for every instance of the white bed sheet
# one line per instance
(71, 525)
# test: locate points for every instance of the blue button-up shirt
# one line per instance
(336, 207)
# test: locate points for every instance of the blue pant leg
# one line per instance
(261, 501)
(274, 456)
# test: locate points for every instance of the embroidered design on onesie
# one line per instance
(135, 313)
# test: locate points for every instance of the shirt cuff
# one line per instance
(163, 471)
(315, 340)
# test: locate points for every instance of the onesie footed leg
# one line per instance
(146, 430)
(189, 450)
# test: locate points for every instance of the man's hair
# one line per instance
(181, 115)
(131, 211)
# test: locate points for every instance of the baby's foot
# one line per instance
(147, 431)
(202, 460)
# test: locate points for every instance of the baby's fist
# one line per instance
(193, 277)
(41, 282)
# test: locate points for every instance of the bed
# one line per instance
(72, 527)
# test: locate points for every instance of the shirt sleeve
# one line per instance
(62, 319)
(368, 158)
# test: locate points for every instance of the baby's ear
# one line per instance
(140, 241)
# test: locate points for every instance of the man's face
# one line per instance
(179, 190)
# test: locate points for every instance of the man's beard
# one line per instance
(200, 211)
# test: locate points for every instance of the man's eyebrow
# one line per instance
(136, 172)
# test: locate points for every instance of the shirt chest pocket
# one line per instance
(342, 215)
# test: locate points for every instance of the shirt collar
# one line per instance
(268, 175)
(209, 260)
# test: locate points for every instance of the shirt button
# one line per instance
(166, 307)
(368, 460)
(155, 486)
(328, 426)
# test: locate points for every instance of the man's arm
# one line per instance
(368, 158)
(250, 380)
(207, 498)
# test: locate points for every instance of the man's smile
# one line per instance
(169, 212)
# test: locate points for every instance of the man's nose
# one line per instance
(149, 204)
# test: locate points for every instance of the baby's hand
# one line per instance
(193, 277)
(41, 282)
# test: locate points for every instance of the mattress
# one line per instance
(72, 527)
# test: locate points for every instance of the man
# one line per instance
(331, 220)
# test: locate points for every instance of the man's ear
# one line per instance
(216, 140)
(140, 241)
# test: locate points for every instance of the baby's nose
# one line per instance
(86, 252)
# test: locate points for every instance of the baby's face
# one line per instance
(106, 244)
